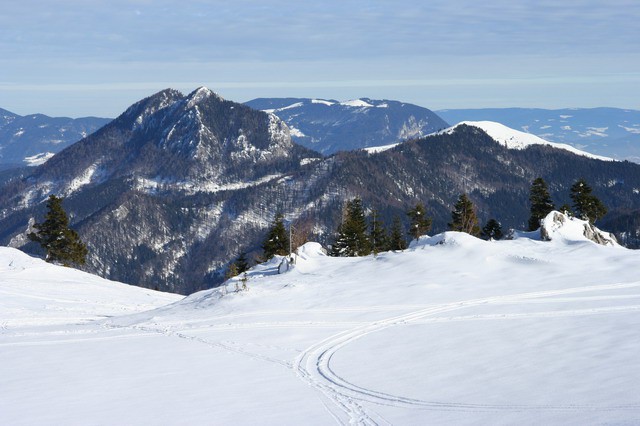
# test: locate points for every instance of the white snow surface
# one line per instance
(558, 225)
(322, 101)
(515, 139)
(452, 331)
(358, 103)
(377, 149)
(38, 159)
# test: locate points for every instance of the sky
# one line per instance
(96, 57)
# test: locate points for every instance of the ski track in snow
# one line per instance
(344, 400)
(313, 365)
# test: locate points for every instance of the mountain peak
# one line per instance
(515, 139)
(202, 93)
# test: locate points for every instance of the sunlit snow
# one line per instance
(515, 139)
(38, 159)
(454, 330)
(359, 103)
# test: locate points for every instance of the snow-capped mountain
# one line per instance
(328, 126)
(515, 139)
(159, 188)
(31, 140)
(452, 331)
(610, 132)
(170, 192)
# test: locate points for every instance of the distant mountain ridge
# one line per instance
(176, 187)
(32, 139)
(328, 126)
(611, 132)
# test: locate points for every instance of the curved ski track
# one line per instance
(313, 365)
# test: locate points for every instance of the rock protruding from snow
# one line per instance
(559, 226)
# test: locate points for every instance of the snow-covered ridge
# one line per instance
(194, 187)
(515, 139)
(356, 103)
(377, 149)
(322, 102)
(38, 159)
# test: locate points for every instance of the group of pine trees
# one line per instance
(586, 206)
(357, 234)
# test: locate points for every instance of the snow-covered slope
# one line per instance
(611, 132)
(515, 139)
(37, 293)
(454, 330)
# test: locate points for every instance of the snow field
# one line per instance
(454, 330)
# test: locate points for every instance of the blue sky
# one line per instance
(96, 57)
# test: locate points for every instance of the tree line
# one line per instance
(358, 234)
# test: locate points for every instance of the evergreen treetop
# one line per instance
(492, 230)
(420, 223)
(61, 244)
(541, 203)
(241, 263)
(586, 205)
(396, 236)
(463, 217)
(352, 238)
(377, 234)
(277, 239)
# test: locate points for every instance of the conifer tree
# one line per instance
(541, 203)
(566, 209)
(241, 263)
(61, 244)
(492, 230)
(420, 223)
(377, 234)
(352, 239)
(277, 240)
(396, 236)
(463, 217)
(586, 205)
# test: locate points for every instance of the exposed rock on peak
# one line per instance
(561, 226)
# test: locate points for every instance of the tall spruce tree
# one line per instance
(352, 238)
(463, 217)
(541, 203)
(396, 235)
(586, 205)
(420, 223)
(377, 234)
(277, 240)
(61, 243)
